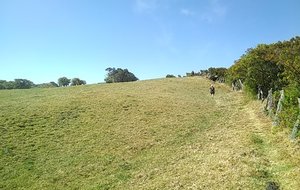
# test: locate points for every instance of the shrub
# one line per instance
(290, 110)
(170, 76)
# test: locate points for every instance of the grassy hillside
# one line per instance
(158, 134)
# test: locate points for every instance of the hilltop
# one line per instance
(156, 134)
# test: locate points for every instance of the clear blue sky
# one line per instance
(42, 40)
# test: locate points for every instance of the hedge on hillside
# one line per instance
(275, 66)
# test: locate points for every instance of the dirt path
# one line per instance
(237, 150)
(253, 153)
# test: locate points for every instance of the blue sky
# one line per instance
(42, 40)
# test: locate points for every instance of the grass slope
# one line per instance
(157, 134)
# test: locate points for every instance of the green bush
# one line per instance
(170, 76)
(290, 110)
(275, 66)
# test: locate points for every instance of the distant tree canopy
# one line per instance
(16, 84)
(268, 66)
(193, 73)
(23, 84)
(77, 81)
(119, 75)
(53, 84)
(47, 85)
(212, 73)
(217, 73)
(64, 81)
(170, 76)
(26, 84)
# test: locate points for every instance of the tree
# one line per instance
(259, 68)
(290, 58)
(64, 81)
(216, 73)
(10, 85)
(203, 72)
(263, 70)
(119, 75)
(2, 84)
(53, 84)
(77, 81)
(47, 85)
(23, 84)
(16, 84)
(170, 76)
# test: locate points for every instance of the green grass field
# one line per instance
(156, 134)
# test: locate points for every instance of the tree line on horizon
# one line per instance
(212, 73)
(27, 84)
(113, 75)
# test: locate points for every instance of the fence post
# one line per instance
(260, 94)
(296, 125)
(279, 108)
(242, 86)
(269, 104)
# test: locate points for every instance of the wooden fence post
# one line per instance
(279, 108)
(296, 125)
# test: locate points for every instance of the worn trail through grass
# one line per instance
(157, 134)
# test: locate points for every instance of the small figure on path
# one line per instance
(212, 90)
